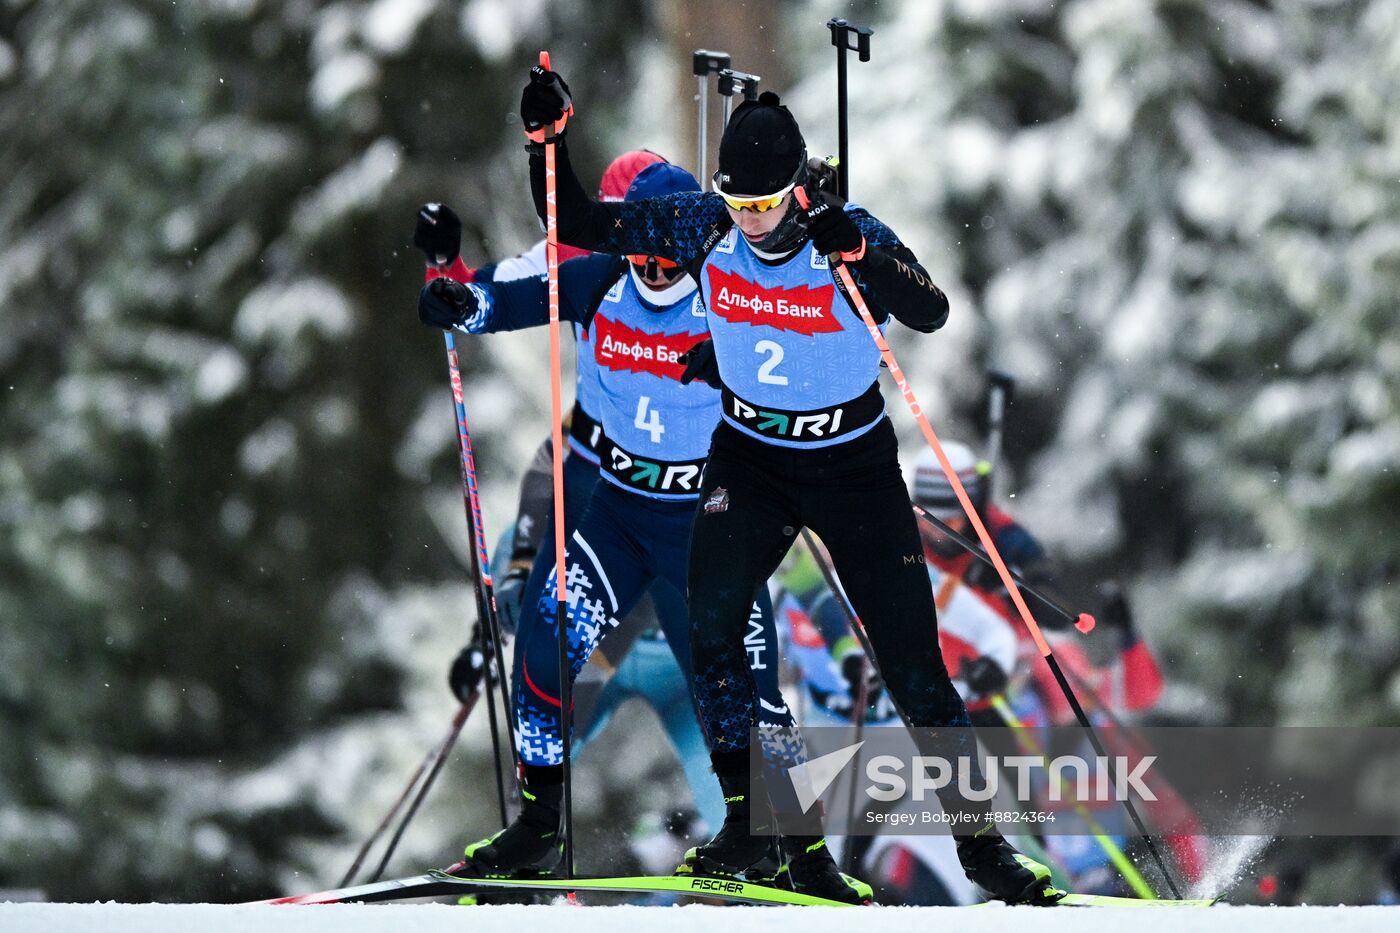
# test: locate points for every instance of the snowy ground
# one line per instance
(432, 918)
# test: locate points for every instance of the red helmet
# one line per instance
(622, 170)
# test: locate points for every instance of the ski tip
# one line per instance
(544, 60)
(1085, 623)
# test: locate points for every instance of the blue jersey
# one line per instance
(792, 352)
(657, 431)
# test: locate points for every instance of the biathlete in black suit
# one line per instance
(803, 442)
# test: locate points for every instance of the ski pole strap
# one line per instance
(798, 428)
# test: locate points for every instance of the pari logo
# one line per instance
(662, 477)
(810, 426)
(802, 309)
(1029, 777)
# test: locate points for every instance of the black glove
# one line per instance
(438, 233)
(510, 592)
(700, 363)
(467, 669)
(1116, 614)
(855, 669)
(832, 230)
(983, 676)
(545, 102)
(445, 303)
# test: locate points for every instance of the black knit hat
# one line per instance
(762, 150)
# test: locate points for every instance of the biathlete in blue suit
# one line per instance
(804, 442)
(528, 555)
(641, 316)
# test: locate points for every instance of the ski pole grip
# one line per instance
(1002, 380)
(1002, 383)
(846, 35)
(549, 132)
(704, 62)
(731, 81)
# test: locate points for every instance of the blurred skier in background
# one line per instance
(988, 654)
(1114, 670)
(1128, 678)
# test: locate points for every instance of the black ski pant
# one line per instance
(756, 498)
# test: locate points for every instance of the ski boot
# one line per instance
(1003, 873)
(737, 851)
(810, 869)
(529, 847)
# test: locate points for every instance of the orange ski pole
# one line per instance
(551, 252)
(857, 301)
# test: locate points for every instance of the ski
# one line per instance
(728, 889)
(1106, 900)
(398, 889)
(437, 883)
